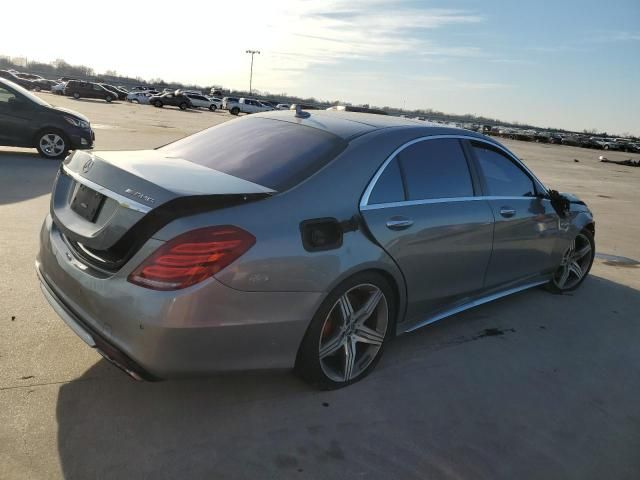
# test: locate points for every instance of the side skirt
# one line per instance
(473, 303)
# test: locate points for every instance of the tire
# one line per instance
(584, 241)
(135, 100)
(76, 95)
(606, 147)
(364, 336)
(37, 89)
(234, 111)
(212, 107)
(183, 106)
(157, 103)
(52, 144)
(108, 98)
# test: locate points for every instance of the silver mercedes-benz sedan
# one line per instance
(297, 239)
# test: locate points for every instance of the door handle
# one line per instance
(399, 223)
(507, 212)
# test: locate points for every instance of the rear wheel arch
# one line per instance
(395, 281)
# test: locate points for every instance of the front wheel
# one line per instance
(158, 103)
(346, 336)
(108, 98)
(52, 144)
(575, 264)
(76, 95)
(183, 106)
(212, 108)
(36, 89)
(235, 111)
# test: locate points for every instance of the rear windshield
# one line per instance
(271, 153)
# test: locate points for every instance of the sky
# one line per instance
(572, 64)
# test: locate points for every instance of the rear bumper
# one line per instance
(202, 329)
(91, 337)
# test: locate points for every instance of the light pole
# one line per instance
(252, 52)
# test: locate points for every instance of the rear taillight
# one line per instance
(192, 257)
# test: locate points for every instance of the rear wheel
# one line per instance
(36, 88)
(157, 103)
(235, 111)
(212, 107)
(346, 337)
(108, 98)
(52, 144)
(135, 100)
(76, 95)
(575, 264)
(183, 106)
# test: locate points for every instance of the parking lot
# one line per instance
(531, 386)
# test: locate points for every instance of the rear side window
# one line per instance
(502, 176)
(271, 153)
(435, 169)
(388, 188)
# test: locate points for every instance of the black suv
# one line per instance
(28, 121)
(170, 98)
(79, 89)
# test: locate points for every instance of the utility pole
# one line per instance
(252, 52)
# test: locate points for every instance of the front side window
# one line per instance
(6, 97)
(502, 176)
(435, 169)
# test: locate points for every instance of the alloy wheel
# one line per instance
(52, 144)
(575, 263)
(353, 332)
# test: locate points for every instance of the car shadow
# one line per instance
(552, 379)
(25, 175)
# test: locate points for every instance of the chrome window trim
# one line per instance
(364, 201)
(427, 201)
(125, 202)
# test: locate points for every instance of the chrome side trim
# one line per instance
(364, 201)
(474, 303)
(125, 202)
(377, 206)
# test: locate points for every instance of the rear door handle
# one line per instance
(507, 212)
(399, 223)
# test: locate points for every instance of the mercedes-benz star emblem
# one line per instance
(87, 165)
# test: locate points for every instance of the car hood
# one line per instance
(70, 112)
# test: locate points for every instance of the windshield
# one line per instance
(274, 154)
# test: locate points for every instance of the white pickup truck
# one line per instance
(248, 105)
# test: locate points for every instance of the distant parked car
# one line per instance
(175, 99)
(37, 83)
(140, 97)
(229, 102)
(248, 105)
(13, 77)
(200, 101)
(142, 88)
(120, 94)
(43, 84)
(605, 143)
(58, 88)
(79, 89)
(282, 106)
(571, 140)
(28, 121)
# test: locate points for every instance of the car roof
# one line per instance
(349, 125)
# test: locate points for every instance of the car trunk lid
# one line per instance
(108, 203)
